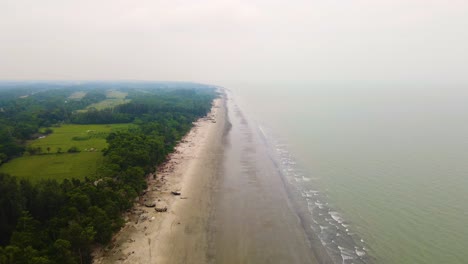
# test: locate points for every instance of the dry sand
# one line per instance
(180, 234)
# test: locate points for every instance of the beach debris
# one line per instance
(161, 209)
(150, 204)
(175, 193)
(143, 218)
(138, 211)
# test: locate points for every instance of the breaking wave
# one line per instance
(335, 233)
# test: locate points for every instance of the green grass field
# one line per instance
(116, 94)
(108, 103)
(77, 95)
(89, 139)
(84, 137)
(54, 166)
(114, 98)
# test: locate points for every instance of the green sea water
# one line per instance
(392, 159)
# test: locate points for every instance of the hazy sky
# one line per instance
(218, 40)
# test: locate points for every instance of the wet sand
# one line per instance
(233, 206)
(253, 221)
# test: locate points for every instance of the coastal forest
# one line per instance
(75, 156)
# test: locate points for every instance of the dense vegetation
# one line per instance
(59, 222)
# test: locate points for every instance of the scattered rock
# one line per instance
(161, 210)
(138, 211)
(150, 204)
(175, 193)
(161, 207)
(143, 218)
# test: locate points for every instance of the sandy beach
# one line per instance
(233, 206)
(178, 235)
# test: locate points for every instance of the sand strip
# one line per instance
(178, 235)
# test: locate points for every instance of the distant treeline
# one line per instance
(52, 222)
(149, 107)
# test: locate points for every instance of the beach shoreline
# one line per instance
(183, 186)
(231, 203)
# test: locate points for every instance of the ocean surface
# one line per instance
(379, 170)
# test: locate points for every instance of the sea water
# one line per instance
(381, 168)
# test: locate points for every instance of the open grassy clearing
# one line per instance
(89, 139)
(77, 95)
(54, 166)
(114, 98)
(116, 94)
(85, 137)
(108, 103)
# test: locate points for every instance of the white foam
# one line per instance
(360, 253)
(336, 216)
(346, 254)
(320, 205)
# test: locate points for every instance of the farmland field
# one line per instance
(54, 166)
(84, 137)
(108, 103)
(77, 95)
(89, 139)
(114, 98)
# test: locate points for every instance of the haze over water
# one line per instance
(391, 159)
